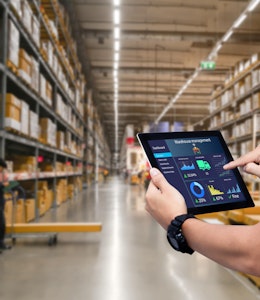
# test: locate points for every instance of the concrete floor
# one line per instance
(129, 260)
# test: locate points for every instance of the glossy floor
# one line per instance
(129, 260)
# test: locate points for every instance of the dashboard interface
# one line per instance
(194, 166)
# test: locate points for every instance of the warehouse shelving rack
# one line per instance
(239, 110)
(12, 141)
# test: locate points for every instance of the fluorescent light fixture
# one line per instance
(218, 47)
(116, 65)
(116, 57)
(253, 5)
(117, 46)
(227, 35)
(116, 2)
(117, 33)
(116, 16)
(189, 81)
(195, 74)
(240, 20)
(115, 73)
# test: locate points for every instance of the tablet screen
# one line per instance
(193, 163)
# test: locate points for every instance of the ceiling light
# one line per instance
(253, 5)
(227, 36)
(116, 2)
(115, 73)
(240, 20)
(117, 45)
(117, 33)
(116, 16)
(116, 57)
(116, 65)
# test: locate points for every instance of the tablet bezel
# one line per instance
(143, 139)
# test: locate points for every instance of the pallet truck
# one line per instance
(50, 230)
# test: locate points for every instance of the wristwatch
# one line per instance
(174, 234)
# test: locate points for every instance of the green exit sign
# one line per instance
(208, 65)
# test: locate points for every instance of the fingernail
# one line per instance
(153, 172)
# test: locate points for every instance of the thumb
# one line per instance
(158, 179)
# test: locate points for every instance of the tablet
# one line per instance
(193, 163)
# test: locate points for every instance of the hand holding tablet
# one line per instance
(193, 163)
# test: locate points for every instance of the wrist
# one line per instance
(176, 236)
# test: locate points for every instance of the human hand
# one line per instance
(249, 162)
(163, 201)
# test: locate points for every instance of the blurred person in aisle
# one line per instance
(233, 246)
(3, 184)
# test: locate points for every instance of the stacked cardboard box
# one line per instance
(26, 15)
(25, 66)
(29, 210)
(34, 125)
(60, 140)
(61, 191)
(13, 44)
(16, 5)
(44, 197)
(45, 90)
(34, 74)
(46, 166)
(24, 163)
(41, 202)
(20, 211)
(35, 30)
(48, 132)
(25, 116)
(8, 209)
(13, 112)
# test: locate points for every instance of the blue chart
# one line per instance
(187, 167)
(233, 190)
(219, 161)
(197, 189)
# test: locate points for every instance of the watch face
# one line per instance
(174, 243)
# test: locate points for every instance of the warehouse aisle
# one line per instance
(129, 260)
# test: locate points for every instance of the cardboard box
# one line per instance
(29, 210)
(60, 140)
(26, 15)
(33, 125)
(19, 211)
(25, 116)
(13, 43)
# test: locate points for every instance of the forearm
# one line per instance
(236, 247)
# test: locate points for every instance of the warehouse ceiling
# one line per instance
(162, 42)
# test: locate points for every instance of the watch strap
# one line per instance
(174, 232)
